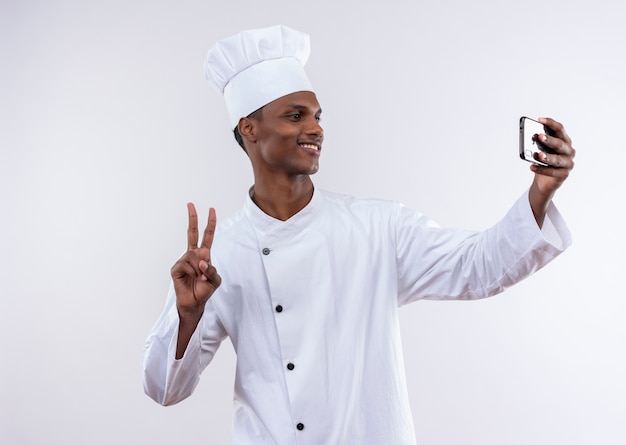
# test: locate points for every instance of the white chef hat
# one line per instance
(257, 66)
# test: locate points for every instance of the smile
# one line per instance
(310, 146)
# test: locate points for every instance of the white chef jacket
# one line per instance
(311, 307)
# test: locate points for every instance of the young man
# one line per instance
(310, 282)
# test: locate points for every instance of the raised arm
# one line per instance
(195, 279)
(548, 179)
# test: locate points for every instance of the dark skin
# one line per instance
(195, 278)
(284, 142)
(549, 179)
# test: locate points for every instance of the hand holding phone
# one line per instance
(529, 141)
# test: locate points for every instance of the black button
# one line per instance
(279, 308)
(290, 366)
(266, 251)
(300, 426)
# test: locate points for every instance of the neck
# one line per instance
(282, 200)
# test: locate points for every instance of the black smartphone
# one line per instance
(529, 143)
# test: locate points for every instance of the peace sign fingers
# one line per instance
(195, 278)
(192, 228)
(202, 254)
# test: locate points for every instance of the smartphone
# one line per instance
(529, 144)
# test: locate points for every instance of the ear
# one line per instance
(247, 129)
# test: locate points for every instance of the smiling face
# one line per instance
(285, 138)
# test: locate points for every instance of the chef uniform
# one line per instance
(310, 304)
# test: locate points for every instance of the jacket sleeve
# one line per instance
(167, 380)
(445, 264)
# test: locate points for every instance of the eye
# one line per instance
(295, 116)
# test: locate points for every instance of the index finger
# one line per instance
(557, 128)
(209, 231)
(192, 228)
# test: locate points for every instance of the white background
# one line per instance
(107, 129)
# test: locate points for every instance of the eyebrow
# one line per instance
(303, 108)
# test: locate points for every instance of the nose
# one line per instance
(314, 128)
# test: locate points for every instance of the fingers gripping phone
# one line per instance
(529, 144)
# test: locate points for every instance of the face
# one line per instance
(286, 138)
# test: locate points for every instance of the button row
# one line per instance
(290, 366)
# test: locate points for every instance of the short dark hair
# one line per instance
(256, 114)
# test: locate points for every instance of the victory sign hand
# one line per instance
(195, 278)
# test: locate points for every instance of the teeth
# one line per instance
(312, 146)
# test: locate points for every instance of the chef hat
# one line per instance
(255, 67)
